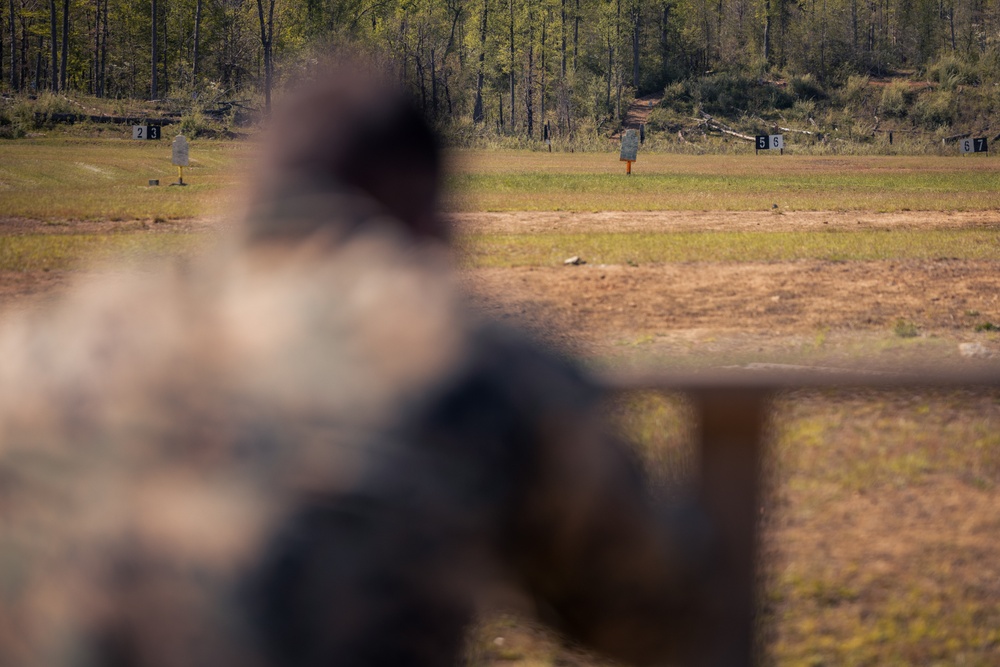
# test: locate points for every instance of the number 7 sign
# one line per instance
(979, 145)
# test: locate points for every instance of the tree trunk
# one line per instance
(541, 117)
(636, 18)
(154, 56)
(477, 112)
(65, 45)
(576, 34)
(166, 51)
(562, 69)
(767, 33)
(197, 44)
(512, 99)
(611, 61)
(529, 77)
(38, 65)
(53, 20)
(434, 86)
(104, 52)
(13, 50)
(266, 36)
(23, 79)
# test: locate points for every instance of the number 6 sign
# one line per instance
(765, 142)
(979, 145)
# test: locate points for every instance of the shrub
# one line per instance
(935, 109)
(856, 91)
(905, 329)
(730, 93)
(895, 99)
(950, 72)
(807, 88)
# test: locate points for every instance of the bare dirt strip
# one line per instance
(775, 220)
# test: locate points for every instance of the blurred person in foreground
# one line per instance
(305, 451)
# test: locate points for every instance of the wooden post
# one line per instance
(628, 167)
(731, 425)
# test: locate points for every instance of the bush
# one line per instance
(935, 109)
(807, 88)
(895, 99)
(676, 96)
(728, 94)
(950, 72)
(905, 329)
(855, 92)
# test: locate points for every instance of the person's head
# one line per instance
(352, 128)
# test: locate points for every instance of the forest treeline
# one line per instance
(503, 65)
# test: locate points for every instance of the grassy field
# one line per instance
(881, 529)
(521, 181)
(107, 179)
(66, 178)
(498, 250)
(54, 252)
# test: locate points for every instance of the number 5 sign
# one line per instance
(765, 142)
(973, 145)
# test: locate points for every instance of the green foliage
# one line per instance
(856, 92)
(730, 93)
(905, 328)
(950, 72)
(806, 87)
(895, 99)
(935, 109)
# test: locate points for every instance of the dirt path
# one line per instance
(534, 222)
(638, 113)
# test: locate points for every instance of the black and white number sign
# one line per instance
(767, 142)
(146, 132)
(979, 145)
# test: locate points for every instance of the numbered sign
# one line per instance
(145, 131)
(765, 142)
(630, 146)
(180, 151)
(979, 145)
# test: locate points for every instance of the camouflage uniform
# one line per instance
(302, 451)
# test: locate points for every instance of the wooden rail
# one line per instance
(731, 407)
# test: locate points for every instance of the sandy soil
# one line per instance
(765, 308)
(680, 221)
(718, 308)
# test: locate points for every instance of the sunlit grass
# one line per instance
(516, 181)
(51, 252)
(107, 179)
(900, 584)
(549, 249)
